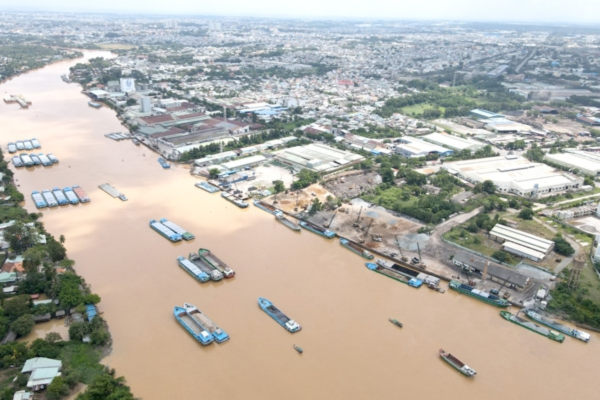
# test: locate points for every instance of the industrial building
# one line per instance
(516, 175)
(317, 157)
(216, 158)
(521, 243)
(455, 143)
(244, 162)
(484, 114)
(495, 272)
(413, 147)
(586, 162)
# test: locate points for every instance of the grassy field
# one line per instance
(389, 197)
(418, 109)
(116, 46)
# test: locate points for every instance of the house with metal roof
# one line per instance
(453, 142)
(413, 147)
(521, 243)
(42, 371)
(22, 395)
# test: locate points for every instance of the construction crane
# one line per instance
(327, 225)
(366, 232)
(297, 194)
(356, 223)
(402, 257)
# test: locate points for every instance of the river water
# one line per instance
(351, 350)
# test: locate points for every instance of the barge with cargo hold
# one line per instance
(164, 231)
(214, 273)
(356, 249)
(280, 216)
(46, 162)
(60, 196)
(193, 269)
(17, 162)
(277, 315)
(550, 334)
(177, 229)
(49, 197)
(81, 195)
(576, 333)
(38, 199)
(207, 186)
(265, 206)
(388, 270)
(198, 332)
(73, 199)
(216, 263)
(164, 163)
(457, 364)
(478, 294)
(326, 233)
(231, 197)
(201, 319)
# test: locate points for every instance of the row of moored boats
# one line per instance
(30, 160)
(20, 145)
(59, 197)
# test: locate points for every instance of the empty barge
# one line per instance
(277, 315)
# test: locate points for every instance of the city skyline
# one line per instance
(512, 11)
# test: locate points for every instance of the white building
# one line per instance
(127, 85)
(42, 370)
(521, 243)
(317, 157)
(413, 147)
(516, 175)
(146, 104)
(453, 142)
(586, 162)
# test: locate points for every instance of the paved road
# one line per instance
(525, 60)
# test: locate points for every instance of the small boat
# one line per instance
(94, 104)
(395, 322)
(277, 315)
(298, 349)
(280, 216)
(457, 364)
(136, 142)
(122, 197)
(164, 163)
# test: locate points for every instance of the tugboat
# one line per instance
(298, 349)
(457, 364)
(395, 322)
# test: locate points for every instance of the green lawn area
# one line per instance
(389, 197)
(418, 109)
(478, 242)
(533, 227)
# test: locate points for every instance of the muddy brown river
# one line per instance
(351, 351)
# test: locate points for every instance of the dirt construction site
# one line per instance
(351, 184)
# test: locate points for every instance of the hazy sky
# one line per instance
(570, 11)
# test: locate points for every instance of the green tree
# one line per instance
(16, 307)
(42, 348)
(56, 250)
(20, 236)
(61, 239)
(501, 256)
(488, 187)
(526, 213)
(316, 206)
(78, 330)
(57, 389)
(91, 299)
(561, 246)
(213, 173)
(279, 187)
(32, 258)
(23, 325)
(106, 387)
(131, 102)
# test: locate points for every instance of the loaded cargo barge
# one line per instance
(265, 206)
(164, 231)
(216, 263)
(457, 364)
(317, 229)
(550, 334)
(177, 229)
(231, 197)
(192, 269)
(280, 216)
(388, 270)
(277, 315)
(68, 191)
(577, 334)
(198, 332)
(214, 273)
(478, 294)
(207, 186)
(81, 195)
(38, 199)
(356, 249)
(209, 326)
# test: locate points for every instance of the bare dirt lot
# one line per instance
(300, 199)
(352, 184)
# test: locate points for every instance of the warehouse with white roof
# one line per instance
(317, 157)
(586, 162)
(455, 143)
(516, 175)
(521, 243)
(413, 147)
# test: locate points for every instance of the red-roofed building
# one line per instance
(156, 119)
(345, 82)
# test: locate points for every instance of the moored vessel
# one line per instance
(38, 199)
(478, 294)
(60, 196)
(36, 160)
(49, 197)
(68, 191)
(207, 186)
(44, 159)
(457, 364)
(81, 195)
(265, 206)
(550, 334)
(576, 333)
(231, 197)
(280, 216)
(395, 272)
(277, 315)
(12, 148)
(356, 249)
(177, 229)
(211, 271)
(164, 231)
(36, 143)
(94, 104)
(27, 161)
(317, 229)
(395, 322)
(17, 161)
(52, 158)
(199, 333)
(216, 263)
(193, 269)
(206, 323)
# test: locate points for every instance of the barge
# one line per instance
(457, 364)
(111, 190)
(206, 323)
(317, 229)
(211, 271)
(192, 269)
(38, 199)
(164, 163)
(277, 315)
(20, 145)
(94, 104)
(550, 334)
(478, 294)
(28, 145)
(199, 333)
(265, 206)
(27, 161)
(387, 270)
(231, 197)
(46, 162)
(164, 231)
(216, 263)
(49, 198)
(68, 191)
(52, 158)
(36, 160)
(36, 143)
(12, 148)
(17, 161)
(60, 197)
(577, 334)
(81, 195)
(356, 249)
(280, 216)
(177, 229)
(207, 186)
